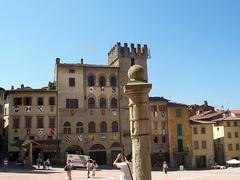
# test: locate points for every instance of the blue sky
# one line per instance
(195, 45)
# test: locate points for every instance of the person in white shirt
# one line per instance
(89, 167)
(125, 166)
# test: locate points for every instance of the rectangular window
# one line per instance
(162, 108)
(40, 101)
(155, 125)
(17, 101)
(52, 122)
(71, 81)
(235, 123)
(16, 123)
(66, 130)
(71, 103)
(195, 144)
(72, 71)
(236, 134)
(179, 129)
(27, 101)
(204, 145)
(229, 135)
(51, 101)
(230, 147)
(154, 111)
(180, 145)
(203, 130)
(195, 130)
(228, 124)
(237, 146)
(28, 122)
(39, 122)
(178, 112)
(163, 139)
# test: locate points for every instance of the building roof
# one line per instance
(201, 122)
(176, 104)
(229, 118)
(157, 98)
(235, 111)
(87, 65)
(207, 115)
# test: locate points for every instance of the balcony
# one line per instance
(181, 150)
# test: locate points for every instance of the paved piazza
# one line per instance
(58, 173)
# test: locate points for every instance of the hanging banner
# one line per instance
(28, 108)
(103, 112)
(52, 131)
(91, 89)
(113, 89)
(40, 131)
(16, 108)
(80, 138)
(40, 108)
(103, 136)
(67, 139)
(72, 112)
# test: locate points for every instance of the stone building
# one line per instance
(32, 114)
(2, 122)
(159, 142)
(180, 147)
(92, 109)
(202, 137)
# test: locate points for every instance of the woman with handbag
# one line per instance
(125, 165)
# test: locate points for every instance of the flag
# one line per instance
(90, 89)
(52, 131)
(40, 131)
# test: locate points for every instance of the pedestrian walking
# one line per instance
(94, 168)
(89, 167)
(165, 167)
(125, 165)
(68, 169)
(48, 163)
(5, 163)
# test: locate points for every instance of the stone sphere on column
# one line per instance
(136, 73)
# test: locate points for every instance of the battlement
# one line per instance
(128, 51)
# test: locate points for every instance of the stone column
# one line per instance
(137, 90)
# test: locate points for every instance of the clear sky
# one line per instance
(195, 44)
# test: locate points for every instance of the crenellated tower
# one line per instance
(126, 56)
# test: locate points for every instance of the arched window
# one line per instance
(79, 127)
(67, 128)
(91, 80)
(91, 103)
(91, 127)
(114, 103)
(103, 127)
(114, 126)
(113, 81)
(103, 103)
(102, 81)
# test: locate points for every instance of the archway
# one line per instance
(75, 149)
(98, 153)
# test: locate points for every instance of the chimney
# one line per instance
(22, 86)
(81, 60)
(57, 60)
(12, 87)
(205, 103)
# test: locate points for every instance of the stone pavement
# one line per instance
(58, 173)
